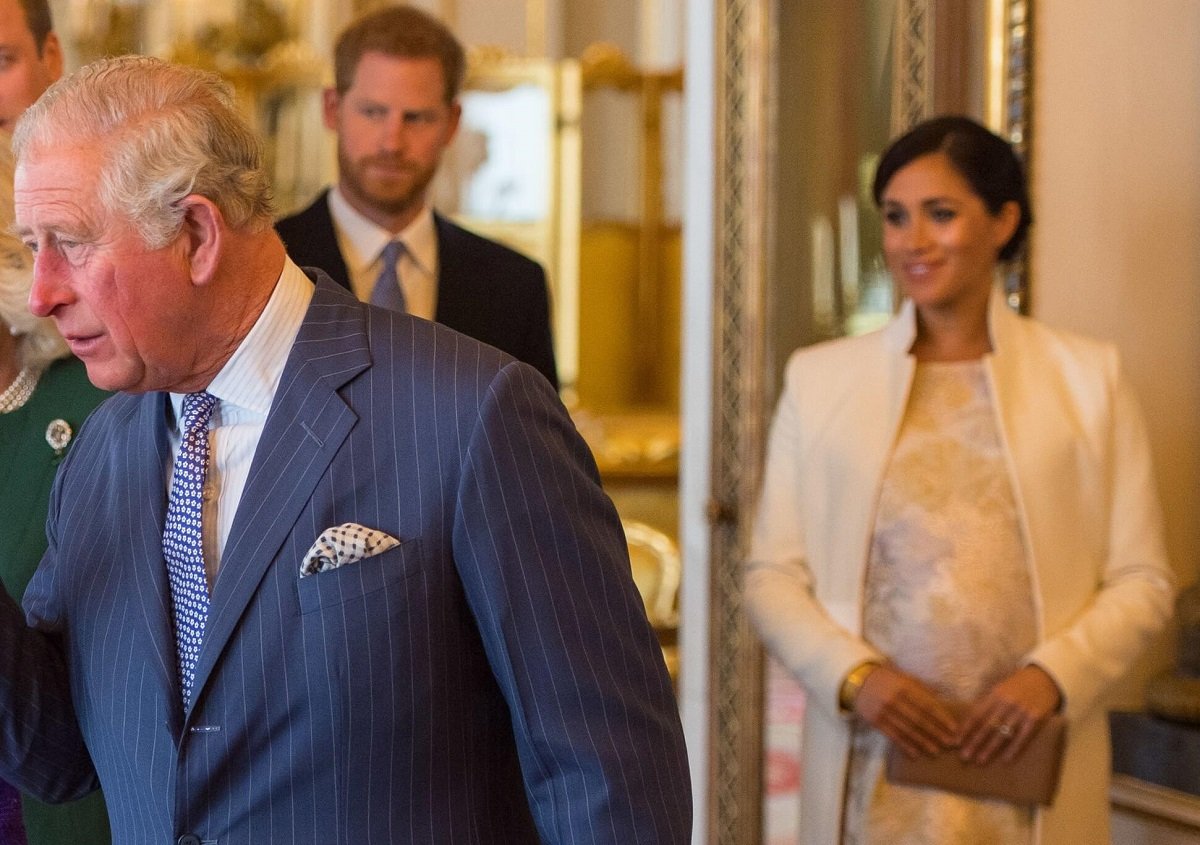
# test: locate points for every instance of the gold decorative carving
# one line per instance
(1016, 122)
(605, 65)
(913, 74)
(492, 66)
(744, 82)
(632, 446)
(286, 65)
(119, 33)
(257, 51)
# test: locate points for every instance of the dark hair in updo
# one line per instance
(984, 159)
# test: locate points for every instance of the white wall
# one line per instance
(695, 472)
(1116, 245)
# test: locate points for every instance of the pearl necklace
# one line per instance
(17, 394)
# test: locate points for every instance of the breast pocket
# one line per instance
(359, 579)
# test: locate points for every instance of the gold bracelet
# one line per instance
(851, 687)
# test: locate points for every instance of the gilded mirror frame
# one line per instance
(744, 174)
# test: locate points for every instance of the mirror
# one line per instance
(583, 182)
(809, 94)
(597, 150)
(865, 72)
(630, 274)
(512, 174)
(862, 73)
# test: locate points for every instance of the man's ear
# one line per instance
(329, 108)
(455, 119)
(203, 228)
(52, 56)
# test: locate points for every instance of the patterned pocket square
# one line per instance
(347, 543)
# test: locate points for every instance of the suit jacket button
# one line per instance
(188, 839)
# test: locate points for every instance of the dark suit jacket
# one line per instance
(485, 290)
(492, 679)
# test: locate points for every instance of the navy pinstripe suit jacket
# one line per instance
(491, 679)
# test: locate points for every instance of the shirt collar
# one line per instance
(362, 239)
(252, 374)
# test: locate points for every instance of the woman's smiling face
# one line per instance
(939, 239)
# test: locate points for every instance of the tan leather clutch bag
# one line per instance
(1030, 779)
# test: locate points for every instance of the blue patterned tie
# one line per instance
(387, 291)
(182, 545)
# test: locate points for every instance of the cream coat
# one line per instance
(1080, 465)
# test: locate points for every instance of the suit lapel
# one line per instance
(311, 240)
(325, 243)
(147, 494)
(1027, 408)
(451, 271)
(307, 425)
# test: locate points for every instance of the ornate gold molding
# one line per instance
(913, 71)
(744, 81)
(1016, 123)
(1016, 78)
(604, 65)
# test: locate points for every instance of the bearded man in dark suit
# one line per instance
(395, 109)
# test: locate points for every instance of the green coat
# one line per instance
(27, 467)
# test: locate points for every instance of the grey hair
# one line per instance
(38, 342)
(166, 131)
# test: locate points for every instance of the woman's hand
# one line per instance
(906, 711)
(1004, 720)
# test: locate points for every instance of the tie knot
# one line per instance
(387, 292)
(391, 254)
(197, 408)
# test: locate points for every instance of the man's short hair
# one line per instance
(166, 131)
(402, 32)
(37, 17)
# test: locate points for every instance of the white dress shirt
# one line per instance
(361, 242)
(246, 388)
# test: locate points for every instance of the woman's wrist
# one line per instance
(853, 682)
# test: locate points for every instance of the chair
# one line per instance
(657, 570)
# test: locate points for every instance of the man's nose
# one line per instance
(49, 289)
(395, 134)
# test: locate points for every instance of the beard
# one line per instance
(396, 191)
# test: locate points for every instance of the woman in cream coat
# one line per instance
(853, 606)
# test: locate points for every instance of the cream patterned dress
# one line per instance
(948, 598)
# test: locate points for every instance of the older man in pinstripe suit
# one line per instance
(419, 624)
